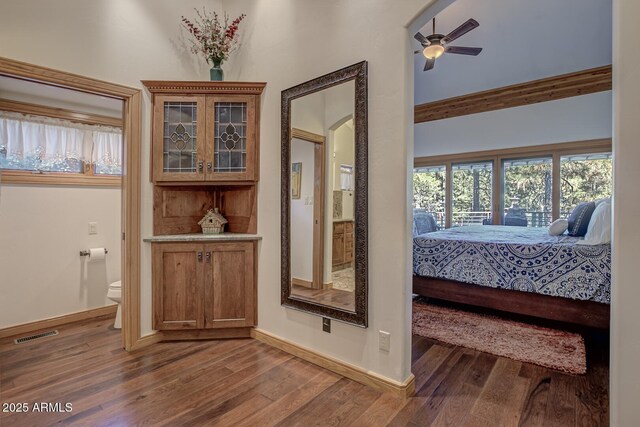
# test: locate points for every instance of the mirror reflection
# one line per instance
(322, 197)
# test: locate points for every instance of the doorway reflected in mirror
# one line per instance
(324, 195)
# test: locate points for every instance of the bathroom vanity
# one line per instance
(205, 155)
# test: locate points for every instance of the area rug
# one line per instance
(559, 350)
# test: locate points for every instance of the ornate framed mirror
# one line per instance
(324, 195)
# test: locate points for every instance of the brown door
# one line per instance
(178, 278)
(229, 285)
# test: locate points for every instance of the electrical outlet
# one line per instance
(384, 341)
(93, 228)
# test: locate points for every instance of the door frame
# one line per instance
(318, 201)
(131, 200)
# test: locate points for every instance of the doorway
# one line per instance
(130, 194)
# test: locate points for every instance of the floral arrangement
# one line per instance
(212, 37)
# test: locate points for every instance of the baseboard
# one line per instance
(402, 390)
(57, 321)
(300, 282)
(146, 341)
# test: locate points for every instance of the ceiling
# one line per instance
(522, 40)
(37, 93)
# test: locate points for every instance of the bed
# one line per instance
(516, 269)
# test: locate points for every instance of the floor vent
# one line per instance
(36, 336)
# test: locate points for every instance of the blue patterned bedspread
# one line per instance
(520, 258)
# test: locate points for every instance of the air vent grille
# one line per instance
(36, 336)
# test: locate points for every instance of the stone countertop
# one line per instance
(200, 237)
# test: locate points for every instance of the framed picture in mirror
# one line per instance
(296, 176)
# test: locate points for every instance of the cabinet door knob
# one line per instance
(200, 166)
(200, 256)
(209, 166)
(208, 256)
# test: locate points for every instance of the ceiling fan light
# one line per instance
(433, 51)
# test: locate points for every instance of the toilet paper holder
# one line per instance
(86, 252)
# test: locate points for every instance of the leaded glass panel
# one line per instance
(180, 143)
(230, 133)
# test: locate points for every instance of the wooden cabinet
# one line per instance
(205, 155)
(205, 132)
(204, 285)
(342, 245)
(348, 242)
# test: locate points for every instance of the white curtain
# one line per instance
(46, 144)
(346, 177)
(107, 152)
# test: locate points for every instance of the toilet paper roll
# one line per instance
(96, 254)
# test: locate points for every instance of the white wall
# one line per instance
(280, 51)
(625, 317)
(569, 119)
(302, 212)
(307, 113)
(120, 41)
(42, 230)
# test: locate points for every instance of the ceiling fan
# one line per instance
(435, 44)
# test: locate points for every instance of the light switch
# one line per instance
(93, 228)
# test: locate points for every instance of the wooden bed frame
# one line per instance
(588, 313)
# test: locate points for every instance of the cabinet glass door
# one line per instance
(232, 137)
(179, 125)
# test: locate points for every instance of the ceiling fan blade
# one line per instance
(461, 30)
(422, 39)
(429, 64)
(461, 50)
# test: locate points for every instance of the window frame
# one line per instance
(88, 178)
(554, 151)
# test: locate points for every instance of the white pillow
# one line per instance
(599, 230)
(606, 199)
(558, 227)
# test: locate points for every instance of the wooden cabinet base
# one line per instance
(205, 334)
(199, 286)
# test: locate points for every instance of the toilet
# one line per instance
(115, 295)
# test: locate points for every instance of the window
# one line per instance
(528, 186)
(584, 177)
(43, 144)
(527, 192)
(429, 191)
(472, 189)
(61, 148)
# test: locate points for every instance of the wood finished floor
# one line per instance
(248, 383)
(332, 297)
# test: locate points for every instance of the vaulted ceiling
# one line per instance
(522, 40)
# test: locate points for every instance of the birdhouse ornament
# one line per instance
(213, 222)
